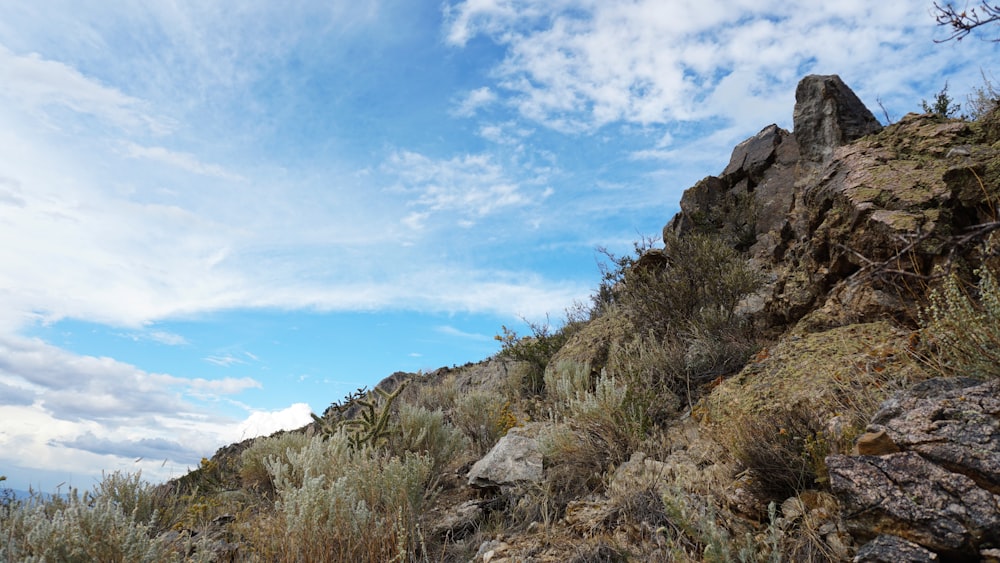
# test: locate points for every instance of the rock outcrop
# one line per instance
(841, 211)
(515, 460)
(827, 115)
(940, 491)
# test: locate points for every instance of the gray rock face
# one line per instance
(753, 194)
(827, 115)
(514, 460)
(941, 491)
(891, 549)
(905, 495)
(957, 428)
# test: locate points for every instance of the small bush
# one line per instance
(694, 533)
(253, 470)
(965, 326)
(88, 527)
(654, 373)
(684, 302)
(566, 381)
(783, 452)
(484, 417)
(418, 430)
(599, 430)
(536, 350)
(337, 502)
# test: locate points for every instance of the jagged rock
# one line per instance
(893, 549)
(641, 472)
(827, 115)
(905, 495)
(953, 426)
(515, 459)
(751, 197)
(853, 224)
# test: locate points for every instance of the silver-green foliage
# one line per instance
(358, 503)
(424, 431)
(84, 528)
(253, 472)
(966, 328)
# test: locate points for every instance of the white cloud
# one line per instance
(181, 160)
(66, 410)
(452, 331)
(578, 66)
(36, 83)
(263, 423)
(471, 186)
(475, 100)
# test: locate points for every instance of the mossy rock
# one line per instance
(594, 342)
(843, 372)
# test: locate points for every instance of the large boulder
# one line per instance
(515, 460)
(955, 427)
(940, 491)
(892, 549)
(827, 115)
(905, 495)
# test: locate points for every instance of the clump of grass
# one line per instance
(782, 452)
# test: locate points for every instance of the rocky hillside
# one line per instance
(806, 370)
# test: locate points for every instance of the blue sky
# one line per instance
(218, 218)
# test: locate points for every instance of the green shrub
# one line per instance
(964, 326)
(683, 301)
(418, 430)
(88, 527)
(484, 416)
(654, 373)
(253, 471)
(599, 429)
(337, 502)
(536, 350)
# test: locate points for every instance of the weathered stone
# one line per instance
(514, 460)
(875, 443)
(905, 495)
(953, 426)
(827, 115)
(893, 549)
(459, 521)
(641, 472)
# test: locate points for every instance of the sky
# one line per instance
(216, 218)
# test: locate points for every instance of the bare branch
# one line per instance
(963, 22)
